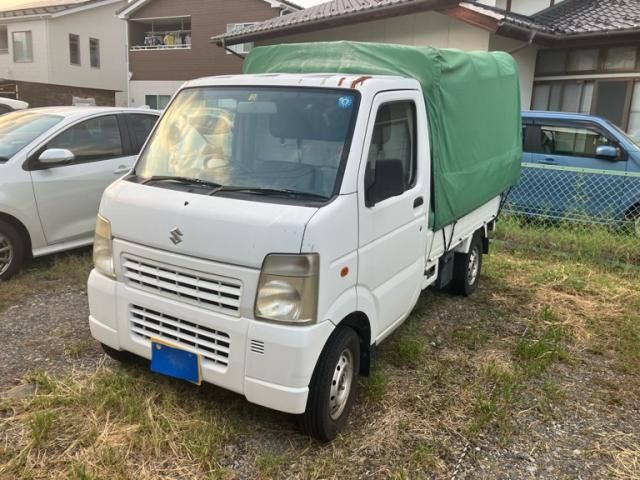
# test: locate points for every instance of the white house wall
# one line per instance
(38, 69)
(526, 58)
(100, 23)
(428, 28)
(139, 88)
(523, 7)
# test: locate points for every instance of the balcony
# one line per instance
(160, 34)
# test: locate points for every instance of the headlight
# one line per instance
(103, 248)
(288, 289)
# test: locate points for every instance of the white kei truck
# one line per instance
(279, 224)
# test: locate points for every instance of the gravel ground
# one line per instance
(48, 332)
(590, 431)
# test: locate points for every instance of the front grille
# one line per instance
(207, 291)
(212, 345)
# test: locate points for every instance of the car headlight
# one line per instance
(103, 248)
(288, 289)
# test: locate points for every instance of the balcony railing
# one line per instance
(160, 47)
(165, 40)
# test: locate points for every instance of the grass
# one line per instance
(544, 358)
(577, 241)
(67, 269)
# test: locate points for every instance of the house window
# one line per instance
(4, 39)
(591, 60)
(574, 97)
(94, 52)
(22, 47)
(583, 60)
(74, 49)
(634, 114)
(551, 62)
(241, 48)
(157, 102)
(621, 58)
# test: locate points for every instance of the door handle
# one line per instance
(548, 161)
(122, 169)
(418, 202)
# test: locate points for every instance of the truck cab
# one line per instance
(275, 229)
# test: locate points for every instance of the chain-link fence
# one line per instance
(565, 194)
(592, 212)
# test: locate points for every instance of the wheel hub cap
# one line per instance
(474, 266)
(6, 254)
(341, 384)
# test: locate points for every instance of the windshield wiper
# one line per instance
(185, 180)
(268, 191)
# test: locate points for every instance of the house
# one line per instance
(168, 42)
(573, 55)
(54, 50)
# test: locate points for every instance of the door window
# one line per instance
(94, 139)
(140, 126)
(572, 141)
(393, 141)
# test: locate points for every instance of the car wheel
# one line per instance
(12, 250)
(333, 386)
(467, 268)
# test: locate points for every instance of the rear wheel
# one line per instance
(12, 250)
(467, 268)
(333, 386)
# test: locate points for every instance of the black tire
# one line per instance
(465, 277)
(120, 355)
(12, 250)
(322, 420)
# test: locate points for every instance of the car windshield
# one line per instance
(275, 139)
(631, 139)
(18, 129)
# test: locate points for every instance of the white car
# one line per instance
(55, 162)
(10, 105)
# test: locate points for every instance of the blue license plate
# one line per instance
(175, 362)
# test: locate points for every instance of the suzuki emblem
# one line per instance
(176, 236)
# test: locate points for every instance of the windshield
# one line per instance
(631, 137)
(293, 139)
(18, 129)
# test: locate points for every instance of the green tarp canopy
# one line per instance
(472, 100)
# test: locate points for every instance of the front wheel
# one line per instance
(333, 386)
(466, 269)
(12, 250)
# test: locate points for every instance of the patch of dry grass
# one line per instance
(68, 269)
(460, 385)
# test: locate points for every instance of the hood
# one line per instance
(227, 230)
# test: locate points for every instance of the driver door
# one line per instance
(68, 194)
(392, 220)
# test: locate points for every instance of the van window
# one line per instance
(140, 126)
(573, 141)
(394, 138)
(94, 139)
(392, 161)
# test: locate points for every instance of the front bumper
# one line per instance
(270, 364)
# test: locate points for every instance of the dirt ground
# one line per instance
(536, 376)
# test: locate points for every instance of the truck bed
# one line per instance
(457, 235)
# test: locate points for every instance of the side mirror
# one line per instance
(608, 151)
(56, 155)
(387, 181)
